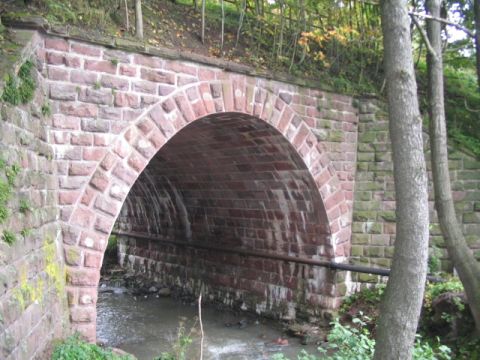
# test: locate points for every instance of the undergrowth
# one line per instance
(347, 342)
(73, 348)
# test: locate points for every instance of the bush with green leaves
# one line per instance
(73, 348)
(349, 343)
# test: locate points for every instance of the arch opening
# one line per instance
(230, 181)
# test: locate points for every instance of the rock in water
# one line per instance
(164, 292)
(152, 289)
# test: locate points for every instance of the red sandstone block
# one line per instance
(108, 162)
(146, 125)
(157, 76)
(157, 138)
(68, 197)
(130, 114)
(72, 61)
(101, 96)
(93, 154)
(121, 149)
(73, 255)
(184, 107)
(81, 139)
(198, 109)
(126, 100)
(87, 296)
(61, 137)
(83, 77)
(206, 74)
(227, 92)
(148, 61)
(99, 180)
(136, 162)
(56, 44)
(113, 82)
(82, 217)
(334, 200)
(285, 120)
(107, 206)
(55, 73)
(80, 110)
(86, 50)
(185, 80)
(168, 105)
(88, 196)
(63, 91)
(65, 122)
(147, 87)
(80, 169)
(164, 90)
(54, 58)
(100, 140)
(100, 66)
(104, 224)
(147, 100)
(82, 314)
(127, 70)
(93, 241)
(93, 260)
(70, 234)
(124, 174)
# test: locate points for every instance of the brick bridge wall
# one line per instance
(33, 306)
(374, 205)
(112, 115)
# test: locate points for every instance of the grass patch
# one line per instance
(20, 88)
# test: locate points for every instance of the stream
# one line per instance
(147, 325)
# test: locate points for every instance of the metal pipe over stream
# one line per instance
(332, 265)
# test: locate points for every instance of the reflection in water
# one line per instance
(148, 326)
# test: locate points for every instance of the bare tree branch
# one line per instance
(442, 20)
(424, 37)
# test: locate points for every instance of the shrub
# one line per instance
(73, 348)
(347, 343)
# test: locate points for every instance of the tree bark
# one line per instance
(402, 302)
(223, 27)
(467, 267)
(138, 20)
(203, 21)
(476, 9)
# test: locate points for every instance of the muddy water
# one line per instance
(149, 326)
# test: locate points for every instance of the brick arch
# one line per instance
(90, 221)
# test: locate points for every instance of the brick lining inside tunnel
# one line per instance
(233, 181)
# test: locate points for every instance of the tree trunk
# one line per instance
(240, 22)
(402, 302)
(223, 27)
(282, 27)
(476, 7)
(127, 25)
(467, 267)
(203, 21)
(138, 20)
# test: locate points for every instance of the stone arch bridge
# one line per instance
(195, 153)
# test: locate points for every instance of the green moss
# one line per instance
(46, 110)
(20, 89)
(55, 272)
(24, 206)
